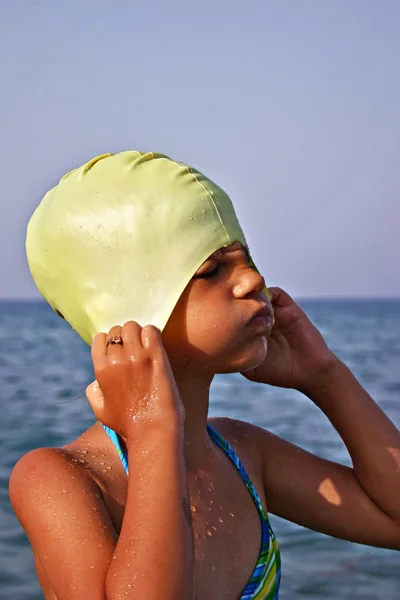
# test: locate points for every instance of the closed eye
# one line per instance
(211, 274)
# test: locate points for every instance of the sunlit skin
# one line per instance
(76, 502)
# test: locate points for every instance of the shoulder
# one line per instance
(262, 448)
(44, 470)
(244, 438)
(62, 510)
(241, 433)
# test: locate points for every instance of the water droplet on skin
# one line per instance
(193, 509)
(220, 520)
(209, 533)
(231, 514)
(64, 491)
(214, 528)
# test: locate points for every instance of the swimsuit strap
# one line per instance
(265, 580)
(115, 439)
(229, 451)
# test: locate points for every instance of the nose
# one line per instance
(249, 283)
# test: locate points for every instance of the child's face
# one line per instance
(210, 323)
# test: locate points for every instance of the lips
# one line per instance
(261, 317)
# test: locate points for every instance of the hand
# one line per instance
(297, 352)
(134, 381)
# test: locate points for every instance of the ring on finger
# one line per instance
(115, 339)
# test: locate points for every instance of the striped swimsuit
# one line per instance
(264, 583)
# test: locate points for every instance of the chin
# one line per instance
(250, 357)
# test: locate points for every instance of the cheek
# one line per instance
(201, 329)
(211, 330)
(208, 331)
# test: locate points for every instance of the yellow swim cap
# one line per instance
(119, 239)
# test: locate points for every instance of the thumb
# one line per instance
(95, 396)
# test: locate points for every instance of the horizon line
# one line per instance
(326, 298)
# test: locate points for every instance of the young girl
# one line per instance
(156, 500)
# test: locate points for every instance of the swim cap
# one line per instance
(120, 237)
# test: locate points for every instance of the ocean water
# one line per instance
(45, 367)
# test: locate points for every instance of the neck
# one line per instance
(195, 395)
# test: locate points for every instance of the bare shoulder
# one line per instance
(42, 471)
(245, 436)
(61, 508)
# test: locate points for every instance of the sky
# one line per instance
(292, 106)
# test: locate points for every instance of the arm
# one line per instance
(361, 504)
(371, 438)
(62, 510)
(63, 514)
(153, 558)
(320, 494)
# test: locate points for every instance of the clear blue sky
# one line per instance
(293, 106)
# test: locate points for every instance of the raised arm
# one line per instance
(62, 510)
(361, 503)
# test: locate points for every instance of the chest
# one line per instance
(226, 527)
(227, 534)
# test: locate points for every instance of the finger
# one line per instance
(95, 396)
(279, 297)
(114, 351)
(131, 336)
(151, 337)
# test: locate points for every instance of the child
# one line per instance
(156, 500)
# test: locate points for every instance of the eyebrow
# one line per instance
(218, 253)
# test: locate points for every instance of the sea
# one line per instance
(45, 368)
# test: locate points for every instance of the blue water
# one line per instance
(44, 367)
